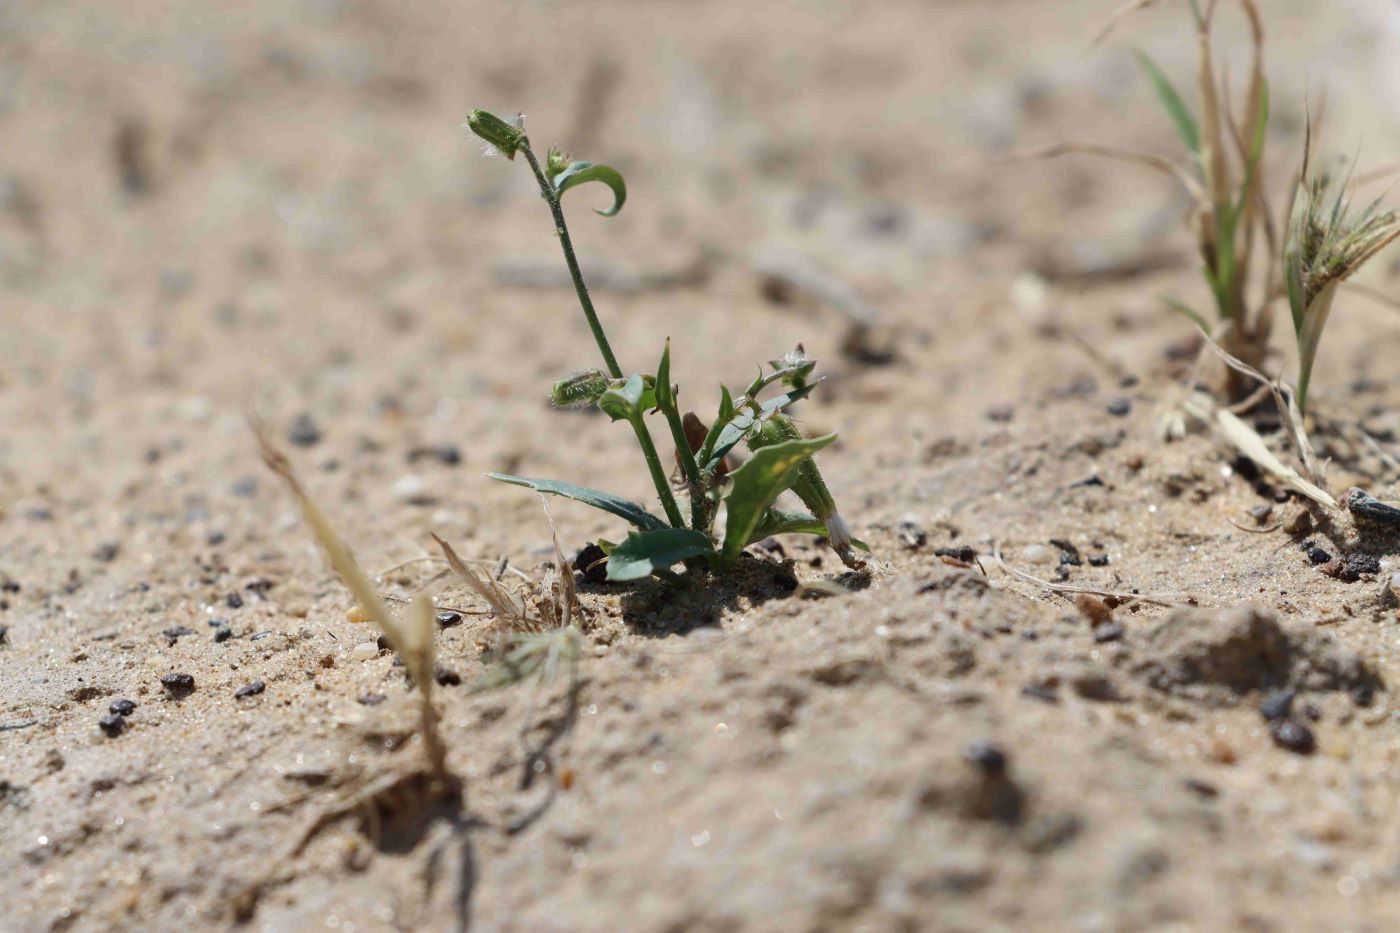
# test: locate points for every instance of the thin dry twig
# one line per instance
(1063, 588)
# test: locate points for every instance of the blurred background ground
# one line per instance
(207, 209)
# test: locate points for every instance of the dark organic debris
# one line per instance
(1069, 554)
(1365, 507)
(912, 534)
(965, 554)
(249, 690)
(591, 561)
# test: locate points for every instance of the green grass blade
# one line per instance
(1171, 101)
(1188, 312)
(643, 554)
(756, 484)
(618, 506)
(783, 522)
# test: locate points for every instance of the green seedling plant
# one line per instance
(1222, 176)
(782, 457)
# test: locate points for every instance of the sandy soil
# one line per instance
(207, 209)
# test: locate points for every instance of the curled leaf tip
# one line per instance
(578, 173)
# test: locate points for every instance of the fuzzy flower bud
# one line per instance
(503, 136)
(579, 390)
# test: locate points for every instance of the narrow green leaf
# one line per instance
(783, 522)
(1187, 312)
(620, 507)
(757, 483)
(665, 396)
(580, 173)
(1171, 101)
(643, 554)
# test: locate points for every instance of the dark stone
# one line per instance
(449, 619)
(107, 551)
(446, 454)
(1363, 695)
(122, 707)
(1040, 692)
(989, 758)
(114, 725)
(178, 685)
(304, 432)
(1119, 407)
(1277, 705)
(1098, 560)
(234, 601)
(965, 554)
(1112, 631)
(1069, 554)
(249, 690)
(223, 633)
(446, 677)
(1292, 735)
(1317, 555)
(371, 699)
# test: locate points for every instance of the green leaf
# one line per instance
(1187, 312)
(665, 392)
(739, 425)
(757, 483)
(1180, 116)
(580, 173)
(783, 522)
(620, 507)
(629, 400)
(643, 554)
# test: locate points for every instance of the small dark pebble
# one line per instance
(177, 685)
(1098, 560)
(1261, 513)
(965, 554)
(1128, 381)
(1069, 554)
(244, 488)
(4, 635)
(1119, 407)
(249, 690)
(234, 601)
(107, 551)
(1312, 711)
(592, 563)
(383, 643)
(1317, 555)
(1277, 705)
(912, 535)
(988, 757)
(1201, 788)
(1110, 632)
(446, 677)
(304, 432)
(1340, 570)
(446, 454)
(223, 633)
(175, 633)
(9, 586)
(449, 619)
(1292, 735)
(121, 707)
(259, 636)
(1040, 692)
(1001, 414)
(372, 699)
(1094, 480)
(1363, 695)
(113, 725)
(215, 538)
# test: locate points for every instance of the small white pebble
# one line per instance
(1395, 584)
(1039, 554)
(412, 488)
(364, 651)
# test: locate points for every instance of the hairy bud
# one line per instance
(503, 136)
(579, 390)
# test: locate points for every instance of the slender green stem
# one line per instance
(658, 475)
(688, 466)
(557, 209)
